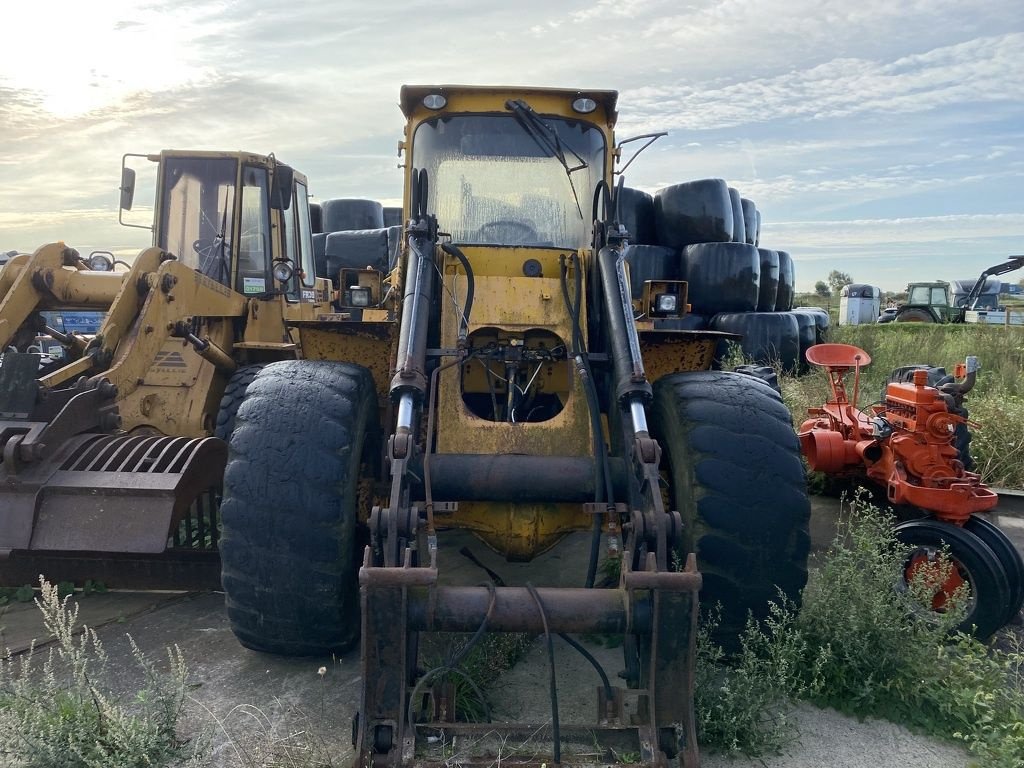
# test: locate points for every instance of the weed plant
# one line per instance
(57, 715)
(867, 649)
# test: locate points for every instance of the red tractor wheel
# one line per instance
(929, 543)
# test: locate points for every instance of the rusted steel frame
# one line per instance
(572, 610)
(522, 478)
(671, 659)
(610, 740)
(660, 609)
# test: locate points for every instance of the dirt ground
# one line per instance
(251, 704)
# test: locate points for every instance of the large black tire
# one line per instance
(973, 562)
(693, 212)
(344, 214)
(1009, 557)
(749, 220)
(650, 262)
(768, 288)
(787, 283)
(320, 255)
(914, 315)
(807, 334)
(769, 338)
(739, 230)
(316, 218)
(392, 216)
(231, 400)
(394, 246)
(763, 373)
(636, 214)
(722, 277)
(288, 544)
(822, 322)
(736, 478)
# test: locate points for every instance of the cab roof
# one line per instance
(412, 96)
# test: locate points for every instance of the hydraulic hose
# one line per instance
(454, 250)
(602, 476)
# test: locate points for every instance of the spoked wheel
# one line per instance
(971, 561)
(1009, 557)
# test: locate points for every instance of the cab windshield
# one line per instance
(491, 181)
(197, 202)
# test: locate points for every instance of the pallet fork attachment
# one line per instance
(655, 609)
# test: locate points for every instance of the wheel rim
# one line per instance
(952, 554)
(944, 577)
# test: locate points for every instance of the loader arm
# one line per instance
(1013, 263)
(175, 293)
(53, 276)
(123, 310)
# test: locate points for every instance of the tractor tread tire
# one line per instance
(914, 315)
(1010, 558)
(288, 546)
(737, 480)
(232, 399)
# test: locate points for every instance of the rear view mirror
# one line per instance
(127, 187)
(281, 194)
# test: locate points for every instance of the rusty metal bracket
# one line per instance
(658, 608)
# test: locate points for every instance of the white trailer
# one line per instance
(859, 304)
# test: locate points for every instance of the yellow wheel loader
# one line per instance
(525, 395)
(110, 468)
(500, 378)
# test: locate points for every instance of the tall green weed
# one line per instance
(868, 649)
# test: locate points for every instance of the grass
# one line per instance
(56, 714)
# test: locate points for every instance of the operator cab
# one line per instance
(216, 212)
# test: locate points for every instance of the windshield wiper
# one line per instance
(547, 139)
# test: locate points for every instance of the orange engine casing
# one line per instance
(905, 445)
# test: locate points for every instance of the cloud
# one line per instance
(970, 73)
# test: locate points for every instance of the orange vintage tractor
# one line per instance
(906, 445)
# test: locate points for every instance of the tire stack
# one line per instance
(352, 236)
(706, 233)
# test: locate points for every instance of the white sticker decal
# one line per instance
(254, 285)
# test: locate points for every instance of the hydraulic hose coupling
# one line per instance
(973, 366)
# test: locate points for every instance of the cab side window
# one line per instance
(254, 235)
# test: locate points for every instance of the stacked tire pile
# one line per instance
(352, 233)
(704, 232)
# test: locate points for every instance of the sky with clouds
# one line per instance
(881, 138)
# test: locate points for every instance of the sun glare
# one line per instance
(77, 57)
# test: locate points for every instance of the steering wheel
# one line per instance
(506, 232)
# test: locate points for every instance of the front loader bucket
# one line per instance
(655, 612)
(105, 507)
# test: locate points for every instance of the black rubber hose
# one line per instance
(556, 736)
(605, 683)
(453, 665)
(602, 480)
(455, 251)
